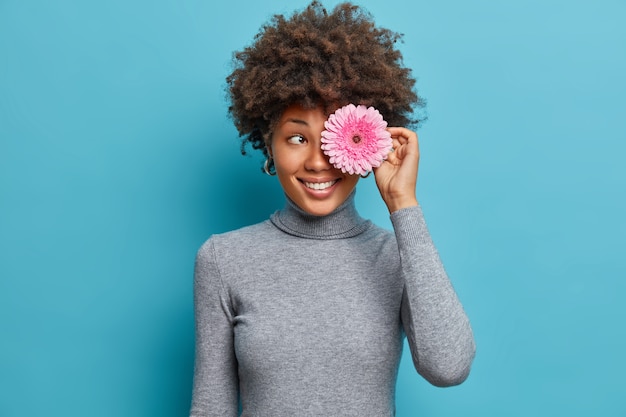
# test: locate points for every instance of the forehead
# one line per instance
(299, 114)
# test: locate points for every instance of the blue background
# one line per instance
(117, 160)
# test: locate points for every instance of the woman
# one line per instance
(305, 314)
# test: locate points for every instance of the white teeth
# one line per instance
(319, 185)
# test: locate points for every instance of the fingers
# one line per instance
(404, 142)
(402, 133)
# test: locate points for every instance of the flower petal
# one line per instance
(356, 139)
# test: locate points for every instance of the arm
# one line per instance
(437, 328)
(215, 385)
(438, 331)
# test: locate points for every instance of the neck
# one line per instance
(343, 222)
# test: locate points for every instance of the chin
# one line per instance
(318, 211)
(319, 208)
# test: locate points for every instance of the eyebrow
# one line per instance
(297, 121)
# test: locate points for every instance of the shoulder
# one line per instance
(378, 239)
(408, 226)
(238, 236)
(236, 243)
(378, 232)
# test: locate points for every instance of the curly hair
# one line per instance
(314, 58)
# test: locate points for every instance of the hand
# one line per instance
(396, 178)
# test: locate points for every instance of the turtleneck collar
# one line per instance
(343, 222)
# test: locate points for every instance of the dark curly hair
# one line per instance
(315, 58)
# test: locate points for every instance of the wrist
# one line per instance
(396, 204)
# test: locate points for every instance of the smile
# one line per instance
(319, 185)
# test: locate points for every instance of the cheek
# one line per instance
(282, 164)
(286, 160)
(352, 180)
(285, 168)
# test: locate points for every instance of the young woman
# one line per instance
(305, 314)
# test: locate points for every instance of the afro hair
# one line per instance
(316, 58)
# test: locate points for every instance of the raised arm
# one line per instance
(437, 328)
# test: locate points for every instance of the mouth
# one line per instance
(318, 186)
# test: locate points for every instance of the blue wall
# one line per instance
(117, 160)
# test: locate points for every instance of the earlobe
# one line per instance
(268, 167)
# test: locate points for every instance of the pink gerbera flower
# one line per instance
(356, 139)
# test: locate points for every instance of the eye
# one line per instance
(296, 140)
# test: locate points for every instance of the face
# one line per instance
(303, 169)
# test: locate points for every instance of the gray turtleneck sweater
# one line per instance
(305, 316)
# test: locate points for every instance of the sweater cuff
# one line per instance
(410, 227)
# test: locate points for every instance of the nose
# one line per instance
(317, 159)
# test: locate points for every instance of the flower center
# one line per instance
(356, 138)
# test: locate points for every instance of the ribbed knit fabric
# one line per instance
(344, 222)
(303, 315)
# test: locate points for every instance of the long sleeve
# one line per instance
(306, 315)
(437, 328)
(215, 387)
